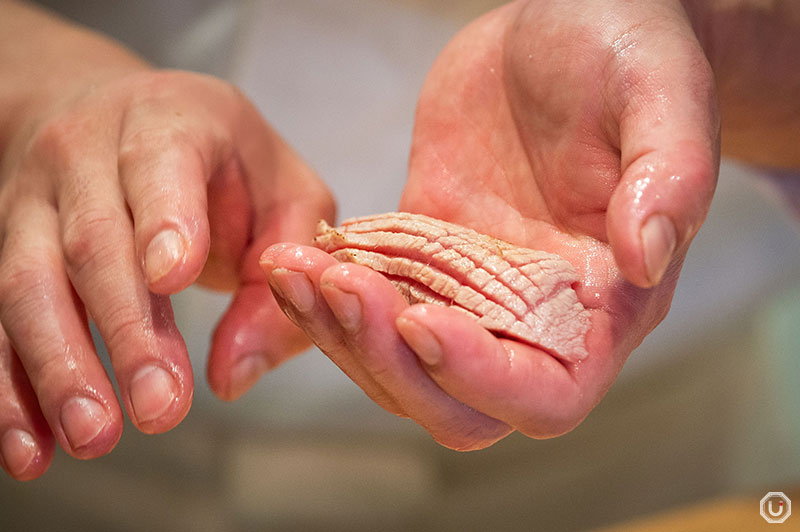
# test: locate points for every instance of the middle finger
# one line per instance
(146, 350)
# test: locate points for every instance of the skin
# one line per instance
(561, 126)
(99, 156)
(564, 126)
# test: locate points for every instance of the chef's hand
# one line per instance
(118, 187)
(586, 129)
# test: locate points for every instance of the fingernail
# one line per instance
(246, 372)
(82, 419)
(295, 288)
(659, 240)
(345, 306)
(165, 251)
(267, 258)
(153, 390)
(19, 450)
(421, 340)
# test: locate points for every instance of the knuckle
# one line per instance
(140, 145)
(163, 89)
(381, 370)
(147, 87)
(58, 141)
(156, 204)
(47, 371)
(11, 277)
(122, 324)
(321, 201)
(22, 281)
(154, 85)
(24, 288)
(89, 236)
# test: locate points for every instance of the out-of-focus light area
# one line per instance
(707, 410)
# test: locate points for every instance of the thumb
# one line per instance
(669, 144)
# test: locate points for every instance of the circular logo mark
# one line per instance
(776, 507)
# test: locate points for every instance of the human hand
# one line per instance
(110, 200)
(586, 129)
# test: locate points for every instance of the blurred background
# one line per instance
(705, 411)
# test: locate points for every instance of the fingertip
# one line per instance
(448, 342)
(25, 456)
(255, 335)
(164, 167)
(244, 374)
(474, 439)
(268, 257)
(90, 429)
(411, 326)
(645, 258)
(519, 384)
(164, 252)
(159, 399)
(660, 204)
(659, 240)
(172, 260)
(232, 379)
(252, 337)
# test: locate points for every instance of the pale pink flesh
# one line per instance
(518, 292)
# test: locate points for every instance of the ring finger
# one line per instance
(47, 328)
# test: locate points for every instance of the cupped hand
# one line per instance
(586, 129)
(110, 200)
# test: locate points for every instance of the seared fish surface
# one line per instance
(512, 291)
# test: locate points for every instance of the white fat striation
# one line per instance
(518, 292)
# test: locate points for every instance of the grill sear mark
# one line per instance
(512, 291)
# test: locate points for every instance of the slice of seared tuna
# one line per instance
(512, 291)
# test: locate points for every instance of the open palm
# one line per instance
(537, 128)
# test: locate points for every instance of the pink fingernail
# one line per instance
(19, 451)
(246, 372)
(153, 390)
(165, 251)
(345, 306)
(82, 420)
(421, 340)
(295, 288)
(658, 240)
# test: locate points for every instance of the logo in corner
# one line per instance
(776, 507)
